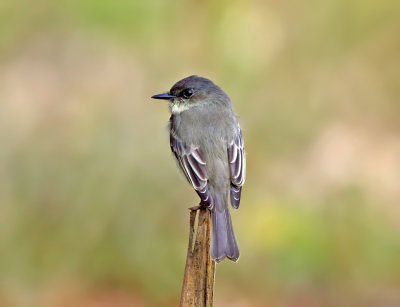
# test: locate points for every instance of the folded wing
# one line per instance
(237, 166)
(191, 161)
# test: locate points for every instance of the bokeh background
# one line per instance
(92, 209)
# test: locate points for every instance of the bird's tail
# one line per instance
(224, 242)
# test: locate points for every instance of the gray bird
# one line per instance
(206, 140)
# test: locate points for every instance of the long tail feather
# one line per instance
(224, 244)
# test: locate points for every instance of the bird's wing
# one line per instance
(237, 166)
(192, 162)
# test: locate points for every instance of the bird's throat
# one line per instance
(178, 107)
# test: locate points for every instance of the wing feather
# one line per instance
(192, 163)
(237, 166)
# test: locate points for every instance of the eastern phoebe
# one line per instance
(206, 140)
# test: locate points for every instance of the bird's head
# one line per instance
(193, 91)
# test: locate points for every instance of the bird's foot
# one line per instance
(195, 208)
(198, 207)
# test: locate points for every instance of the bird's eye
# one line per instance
(187, 93)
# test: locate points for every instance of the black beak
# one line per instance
(166, 96)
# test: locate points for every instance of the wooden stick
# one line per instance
(198, 282)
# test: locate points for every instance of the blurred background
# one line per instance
(92, 209)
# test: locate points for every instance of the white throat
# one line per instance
(177, 108)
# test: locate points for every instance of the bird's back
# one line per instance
(209, 129)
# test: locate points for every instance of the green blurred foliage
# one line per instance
(93, 211)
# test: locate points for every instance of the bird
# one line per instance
(206, 140)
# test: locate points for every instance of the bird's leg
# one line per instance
(198, 207)
(195, 208)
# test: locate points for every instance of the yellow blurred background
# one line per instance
(92, 209)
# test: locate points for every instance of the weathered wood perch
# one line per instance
(198, 282)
